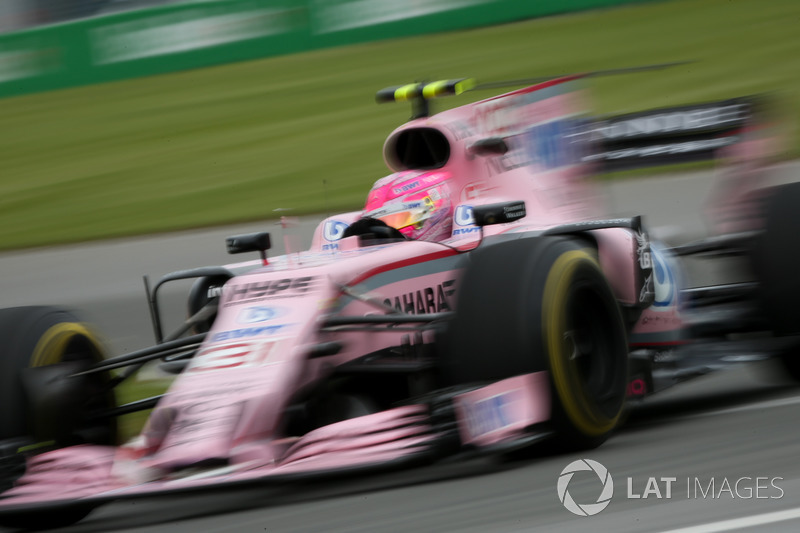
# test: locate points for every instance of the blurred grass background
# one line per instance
(233, 143)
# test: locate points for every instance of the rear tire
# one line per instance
(543, 304)
(774, 260)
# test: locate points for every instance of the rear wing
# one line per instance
(672, 135)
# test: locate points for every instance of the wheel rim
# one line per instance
(593, 353)
(581, 330)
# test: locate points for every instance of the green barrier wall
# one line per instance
(186, 36)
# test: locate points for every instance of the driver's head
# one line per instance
(415, 203)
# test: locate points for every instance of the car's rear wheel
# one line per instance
(774, 261)
(543, 304)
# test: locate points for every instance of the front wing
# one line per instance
(453, 424)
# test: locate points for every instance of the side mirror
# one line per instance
(487, 215)
(250, 242)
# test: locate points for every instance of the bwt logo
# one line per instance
(405, 188)
(334, 229)
(463, 216)
(586, 509)
(253, 315)
(664, 282)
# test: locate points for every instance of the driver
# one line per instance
(415, 203)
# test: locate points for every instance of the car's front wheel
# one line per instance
(543, 304)
(41, 407)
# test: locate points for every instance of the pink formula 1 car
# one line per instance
(479, 303)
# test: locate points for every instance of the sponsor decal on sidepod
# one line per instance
(253, 315)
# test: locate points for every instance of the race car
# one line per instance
(478, 304)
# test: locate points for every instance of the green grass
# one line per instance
(131, 424)
(233, 143)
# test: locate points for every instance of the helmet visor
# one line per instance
(403, 215)
(404, 219)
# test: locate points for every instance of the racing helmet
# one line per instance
(415, 203)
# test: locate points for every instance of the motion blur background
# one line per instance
(19, 14)
(126, 117)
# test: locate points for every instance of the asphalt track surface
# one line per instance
(738, 425)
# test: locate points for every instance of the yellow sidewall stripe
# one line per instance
(562, 369)
(52, 345)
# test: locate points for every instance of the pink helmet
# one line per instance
(415, 203)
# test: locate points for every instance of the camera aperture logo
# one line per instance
(665, 487)
(585, 509)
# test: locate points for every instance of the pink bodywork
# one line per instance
(502, 410)
(227, 407)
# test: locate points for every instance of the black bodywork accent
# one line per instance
(501, 213)
(249, 242)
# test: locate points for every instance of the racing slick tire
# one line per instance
(43, 336)
(774, 262)
(543, 304)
